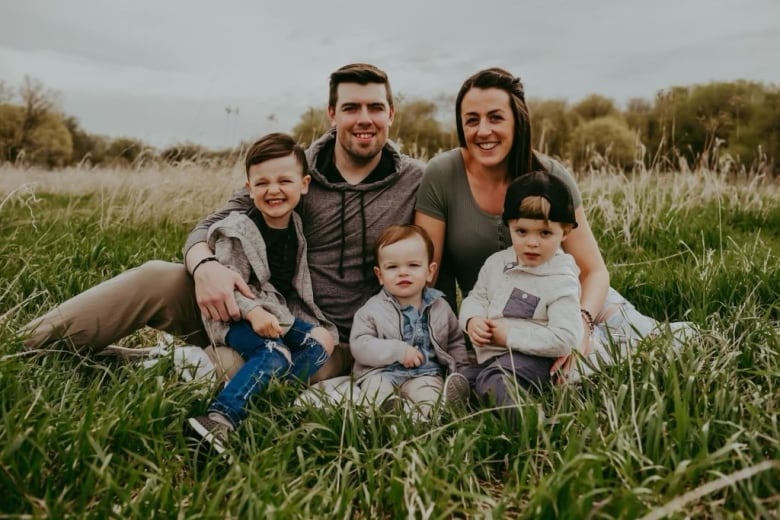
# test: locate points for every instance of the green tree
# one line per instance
(34, 130)
(86, 147)
(416, 128)
(595, 106)
(124, 150)
(11, 118)
(604, 141)
(49, 142)
(552, 122)
(314, 122)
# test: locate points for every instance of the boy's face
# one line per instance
(535, 241)
(276, 187)
(403, 269)
(362, 117)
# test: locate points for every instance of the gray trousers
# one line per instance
(499, 380)
(156, 294)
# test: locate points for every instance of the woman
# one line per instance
(461, 198)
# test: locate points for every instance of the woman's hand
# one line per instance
(562, 366)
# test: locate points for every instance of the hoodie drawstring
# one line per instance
(343, 238)
(364, 246)
(363, 234)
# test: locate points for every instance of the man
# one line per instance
(360, 185)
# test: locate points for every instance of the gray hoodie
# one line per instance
(341, 222)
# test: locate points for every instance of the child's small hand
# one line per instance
(264, 323)
(480, 331)
(500, 332)
(412, 357)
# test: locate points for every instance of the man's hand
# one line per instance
(412, 357)
(264, 323)
(214, 291)
(480, 331)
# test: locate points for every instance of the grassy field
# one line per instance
(688, 434)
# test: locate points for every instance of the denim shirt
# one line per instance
(415, 332)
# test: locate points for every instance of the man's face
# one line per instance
(362, 117)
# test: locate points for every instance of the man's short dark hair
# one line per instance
(360, 73)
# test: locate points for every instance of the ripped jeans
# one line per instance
(296, 355)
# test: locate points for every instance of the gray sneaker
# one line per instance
(212, 432)
(456, 390)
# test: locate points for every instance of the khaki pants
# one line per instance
(156, 294)
(422, 391)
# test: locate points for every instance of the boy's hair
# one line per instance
(394, 234)
(360, 73)
(539, 195)
(274, 146)
(538, 208)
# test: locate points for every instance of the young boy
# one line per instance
(277, 335)
(406, 337)
(524, 311)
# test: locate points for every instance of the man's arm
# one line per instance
(239, 201)
(215, 283)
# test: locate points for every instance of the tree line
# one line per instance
(719, 125)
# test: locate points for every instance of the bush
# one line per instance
(605, 141)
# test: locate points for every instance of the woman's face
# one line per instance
(488, 125)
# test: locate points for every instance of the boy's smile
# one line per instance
(276, 186)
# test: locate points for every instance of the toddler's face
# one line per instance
(535, 241)
(404, 269)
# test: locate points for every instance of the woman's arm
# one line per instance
(436, 229)
(594, 277)
(594, 280)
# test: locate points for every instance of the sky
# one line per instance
(219, 72)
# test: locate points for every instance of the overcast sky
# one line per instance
(165, 71)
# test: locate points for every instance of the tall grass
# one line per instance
(692, 433)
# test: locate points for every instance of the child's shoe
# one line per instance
(213, 432)
(456, 390)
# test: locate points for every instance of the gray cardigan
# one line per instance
(376, 338)
(237, 243)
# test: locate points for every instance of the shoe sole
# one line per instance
(206, 436)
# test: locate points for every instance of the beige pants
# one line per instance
(156, 294)
(423, 392)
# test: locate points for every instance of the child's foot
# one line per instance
(215, 433)
(456, 390)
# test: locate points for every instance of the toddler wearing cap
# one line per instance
(524, 310)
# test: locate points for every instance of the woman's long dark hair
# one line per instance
(521, 158)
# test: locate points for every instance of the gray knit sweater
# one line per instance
(238, 244)
(341, 221)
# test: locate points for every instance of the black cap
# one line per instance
(540, 184)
